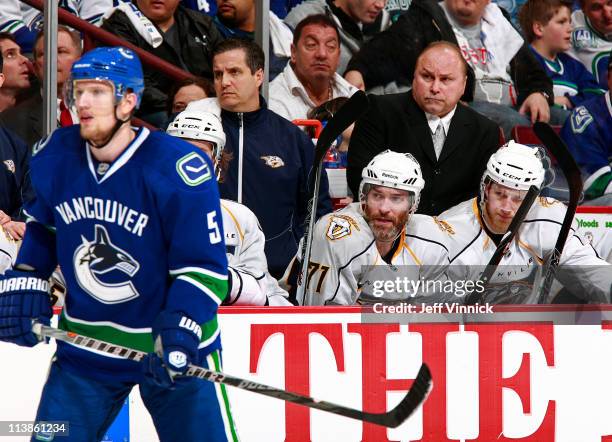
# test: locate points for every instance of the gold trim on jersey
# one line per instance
(444, 226)
(547, 202)
(530, 250)
(235, 222)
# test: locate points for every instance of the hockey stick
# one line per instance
(346, 115)
(513, 228)
(570, 169)
(416, 395)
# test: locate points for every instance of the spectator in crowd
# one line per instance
(26, 119)
(357, 20)
(186, 91)
(512, 7)
(180, 36)
(236, 18)
(506, 82)
(272, 158)
(588, 134)
(592, 37)
(310, 79)
(15, 71)
(547, 26)
(15, 186)
(431, 124)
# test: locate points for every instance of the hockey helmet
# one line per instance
(117, 65)
(515, 166)
(199, 125)
(395, 170)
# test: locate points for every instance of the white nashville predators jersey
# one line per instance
(470, 248)
(244, 243)
(344, 258)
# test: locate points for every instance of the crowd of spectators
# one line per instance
(449, 81)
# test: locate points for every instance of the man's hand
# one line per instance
(356, 79)
(176, 338)
(537, 107)
(24, 298)
(16, 229)
(564, 102)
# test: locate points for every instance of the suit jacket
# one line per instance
(25, 120)
(396, 122)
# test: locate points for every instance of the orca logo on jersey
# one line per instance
(100, 258)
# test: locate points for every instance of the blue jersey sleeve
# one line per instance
(193, 229)
(38, 249)
(587, 144)
(586, 83)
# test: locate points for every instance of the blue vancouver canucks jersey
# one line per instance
(133, 238)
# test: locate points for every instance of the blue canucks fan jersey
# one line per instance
(570, 78)
(588, 134)
(134, 237)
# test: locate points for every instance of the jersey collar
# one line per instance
(123, 158)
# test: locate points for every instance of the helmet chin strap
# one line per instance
(118, 124)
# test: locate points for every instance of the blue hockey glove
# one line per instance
(176, 338)
(24, 298)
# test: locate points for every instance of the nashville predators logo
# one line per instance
(273, 161)
(547, 202)
(340, 226)
(444, 226)
(10, 165)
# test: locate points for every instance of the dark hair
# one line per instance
(451, 46)
(255, 58)
(540, 11)
(74, 36)
(317, 19)
(203, 83)
(5, 36)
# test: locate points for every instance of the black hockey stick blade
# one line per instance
(416, 395)
(350, 112)
(559, 150)
(513, 228)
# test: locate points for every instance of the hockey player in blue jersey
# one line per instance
(588, 134)
(133, 219)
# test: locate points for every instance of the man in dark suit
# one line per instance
(451, 142)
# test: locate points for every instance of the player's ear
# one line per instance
(127, 105)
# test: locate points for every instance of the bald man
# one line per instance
(450, 141)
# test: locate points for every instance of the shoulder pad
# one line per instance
(580, 119)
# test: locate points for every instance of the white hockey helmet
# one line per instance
(515, 166)
(395, 170)
(199, 125)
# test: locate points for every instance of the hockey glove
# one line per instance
(176, 338)
(24, 298)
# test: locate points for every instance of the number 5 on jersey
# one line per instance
(214, 234)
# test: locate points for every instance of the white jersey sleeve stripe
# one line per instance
(202, 287)
(183, 270)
